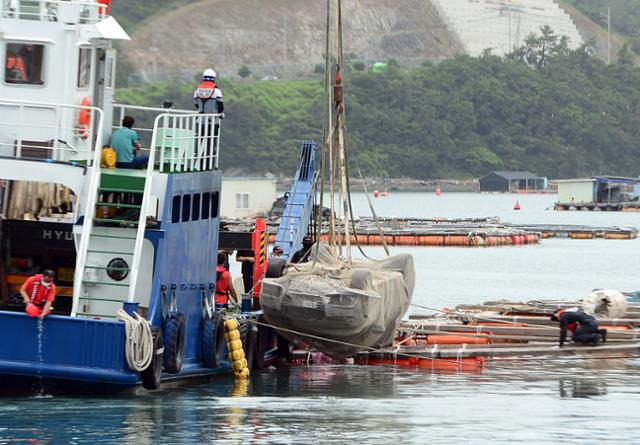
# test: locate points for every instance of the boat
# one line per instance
(133, 250)
(332, 302)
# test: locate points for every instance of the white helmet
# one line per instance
(209, 74)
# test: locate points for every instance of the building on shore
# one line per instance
(512, 182)
(246, 197)
(599, 192)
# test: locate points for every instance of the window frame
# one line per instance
(185, 216)
(241, 195)
(215, 205)
(176, 210)
(45, 62)
(196, 208)
(87, 87)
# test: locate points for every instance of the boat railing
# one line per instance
(144, 119)
(49, 131)
(186, 142)
(65, 11)
(182, 143)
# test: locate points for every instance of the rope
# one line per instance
(138, 341)
(344, 343)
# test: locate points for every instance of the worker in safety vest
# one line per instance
(207, 98)
(584, 327)
(40, 291)
(224, 284)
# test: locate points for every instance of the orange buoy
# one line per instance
(517, 206)
(456, 340)
(438, 191)
(461, 364)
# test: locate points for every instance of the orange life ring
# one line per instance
(84, 119)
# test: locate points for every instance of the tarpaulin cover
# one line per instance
(350, 307)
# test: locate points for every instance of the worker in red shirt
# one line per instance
(224, 284)
(40, 291)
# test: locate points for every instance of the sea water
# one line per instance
(532, 400)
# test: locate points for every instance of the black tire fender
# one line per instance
(275, 268)
(264, 337)
(174, 342)
(151, 376)
(248, 337)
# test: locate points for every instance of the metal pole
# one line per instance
(608, 35)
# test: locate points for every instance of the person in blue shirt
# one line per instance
(125, 141)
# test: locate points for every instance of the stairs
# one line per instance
(109, 259)
(298, 209)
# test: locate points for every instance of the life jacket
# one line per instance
(222, 285)
(205, 90)
(38, 294)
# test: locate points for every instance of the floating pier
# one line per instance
(600, 207)
(468, 337)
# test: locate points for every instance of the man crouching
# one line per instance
(584, 327)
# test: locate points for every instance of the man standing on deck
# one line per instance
(584, 327)
(224, 284)
(207, 98)
(40, 291)
(124, 140)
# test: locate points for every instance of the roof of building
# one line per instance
(509, 175)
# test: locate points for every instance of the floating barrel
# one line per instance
(460, 364)
(456, 340)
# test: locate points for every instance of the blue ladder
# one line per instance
(298, 210)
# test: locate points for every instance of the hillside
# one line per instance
(282, 38)
(174, 39)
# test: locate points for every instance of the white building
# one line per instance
(247, 197)
(503, 25)
(576, 191)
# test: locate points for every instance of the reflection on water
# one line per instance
(338, 404)
(528, 401)
(573, 387)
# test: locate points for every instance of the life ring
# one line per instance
(213, 342)
(152, 375)
(248, 337)
(84, 119)
(174, 342)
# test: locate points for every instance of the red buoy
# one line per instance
(438, 191)
(376, 193)
(517, 206)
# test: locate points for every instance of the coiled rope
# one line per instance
(138, 341)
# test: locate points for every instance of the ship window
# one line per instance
(215, 204)
(84, 67)
(206, 205)
(242, 200)
(23, 64)
(195, 213)
(186, 207)
(175, 209)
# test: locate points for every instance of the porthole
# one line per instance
(117, 269)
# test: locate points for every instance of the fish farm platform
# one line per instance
(468, 337)
(465, 232)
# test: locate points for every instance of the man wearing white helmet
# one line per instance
(207, 98)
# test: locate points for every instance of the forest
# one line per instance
(544, 108)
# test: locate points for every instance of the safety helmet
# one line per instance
(209, 74)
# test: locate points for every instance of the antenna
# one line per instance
(608, 35)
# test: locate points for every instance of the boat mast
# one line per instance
(338, 97)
